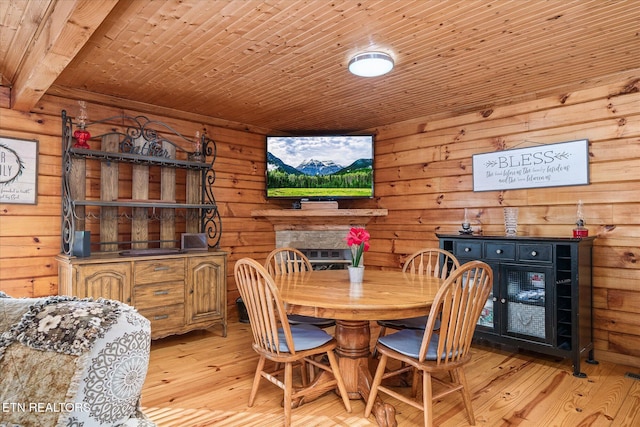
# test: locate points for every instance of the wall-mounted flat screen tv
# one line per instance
(327, 167)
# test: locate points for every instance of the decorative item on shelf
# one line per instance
(82, 244)
(196, 156)
(81, 134)
(511, 221)
(307, 204)
(466, 226)
(358, 242)
(580, 231)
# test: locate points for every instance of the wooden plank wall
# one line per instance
(423, 177)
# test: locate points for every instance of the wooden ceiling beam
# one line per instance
(65, 29)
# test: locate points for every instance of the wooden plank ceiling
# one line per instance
(281, 65)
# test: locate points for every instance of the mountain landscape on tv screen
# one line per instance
(318, 167)
(319, 178)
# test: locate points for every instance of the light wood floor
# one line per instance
(203, 379)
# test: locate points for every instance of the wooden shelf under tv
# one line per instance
(291, 218)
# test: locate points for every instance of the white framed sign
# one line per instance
(551, 165)
(18, 170)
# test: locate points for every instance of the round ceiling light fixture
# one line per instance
(371, 64)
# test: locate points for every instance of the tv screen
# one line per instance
(327, 167)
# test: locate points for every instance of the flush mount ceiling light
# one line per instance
(371, 64)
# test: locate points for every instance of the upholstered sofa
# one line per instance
(71, 362)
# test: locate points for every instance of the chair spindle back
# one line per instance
(458, 303)
(264, 306)
(434, 262)
(287, 260)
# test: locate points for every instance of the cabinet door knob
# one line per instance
(534, 253)
(499, 251)
(495, 299)
(503, 300)
(467, 249)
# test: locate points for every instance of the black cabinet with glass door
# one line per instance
(542, 292)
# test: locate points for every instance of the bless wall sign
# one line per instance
(552, 165)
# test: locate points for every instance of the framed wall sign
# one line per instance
(18, 170)
(551, 165)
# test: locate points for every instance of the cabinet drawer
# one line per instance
(467, 249)
(500, 250)
(165, 319)
(535, 252)
(159, 270)
(158, 295)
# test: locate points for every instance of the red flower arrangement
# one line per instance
(358, 242)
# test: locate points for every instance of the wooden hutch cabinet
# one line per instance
(542, 292)
(176, 292)
(136, 215)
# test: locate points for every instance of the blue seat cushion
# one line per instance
(408, 341)
(295, 319)
(305, 337)
(409, 323)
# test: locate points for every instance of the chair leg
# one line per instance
(415, 381)
(288, 391)
(342, 388)
(256, 380)
(377, 379)
(427, 399)
(305, 372)
(466, 395)
(381, 333)
(311, 372)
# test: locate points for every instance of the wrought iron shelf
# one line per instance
(137, 159)
(141, 142)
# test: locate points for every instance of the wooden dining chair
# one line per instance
(287, 260)
(434, 262)
(458, 304)
(276, 340)
(291, 260)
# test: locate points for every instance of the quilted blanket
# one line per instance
(71, 362)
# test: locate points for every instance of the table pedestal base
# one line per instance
(353, 353)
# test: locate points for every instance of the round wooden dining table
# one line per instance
(382, 295)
